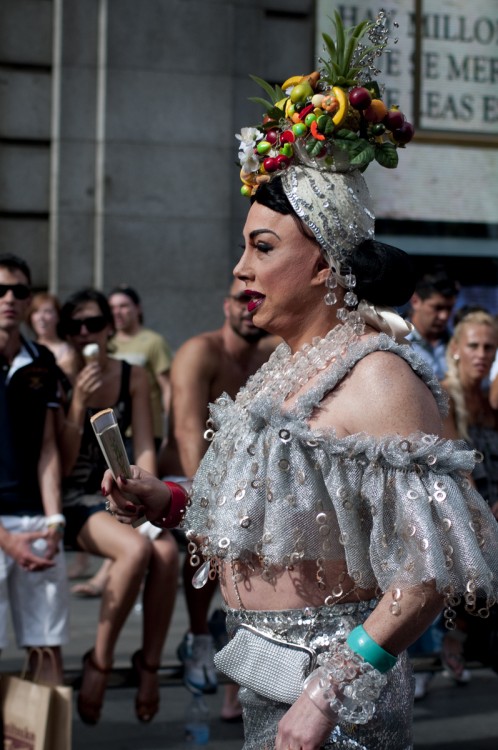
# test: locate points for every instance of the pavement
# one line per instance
(450, 717)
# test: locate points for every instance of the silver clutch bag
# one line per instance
(270, 666)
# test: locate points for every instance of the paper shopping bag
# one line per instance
(35, 716)
(60, 721)
(25, 714)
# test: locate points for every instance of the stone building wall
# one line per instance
(117, 147)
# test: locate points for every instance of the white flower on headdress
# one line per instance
(248, 138)
(248, 160)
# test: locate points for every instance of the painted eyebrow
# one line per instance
(257, 232)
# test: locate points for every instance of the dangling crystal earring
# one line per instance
(331, 283)
(350, 297)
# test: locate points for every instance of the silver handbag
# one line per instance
(270, 666)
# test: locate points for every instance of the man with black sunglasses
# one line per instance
(32, 569)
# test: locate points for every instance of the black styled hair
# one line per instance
(437, 282)
(384, 274)
(15, 263)
(79, 298)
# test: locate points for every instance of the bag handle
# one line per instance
(39, 651)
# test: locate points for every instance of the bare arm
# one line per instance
(381, 396)
(18, 546)
(304, 725)
(449, 423)
(87, 382)
(49, 479)
(192, 373)
(49, 468)
(141, 421)
(164, 380)
(387, 398)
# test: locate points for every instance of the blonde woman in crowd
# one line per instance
(470, 355)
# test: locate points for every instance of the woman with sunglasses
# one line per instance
(105, 382)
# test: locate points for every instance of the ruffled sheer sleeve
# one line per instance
(407, 514)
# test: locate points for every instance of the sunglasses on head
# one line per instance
(94, 324)
(20, 291)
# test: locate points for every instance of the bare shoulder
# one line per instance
(393, 396)
(383, 395)
(203, 350)
(378, 366)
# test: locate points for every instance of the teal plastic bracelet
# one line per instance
(360, 642)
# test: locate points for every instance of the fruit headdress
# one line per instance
(332, 119)
(319, 133)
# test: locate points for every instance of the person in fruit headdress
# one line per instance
(337, 518)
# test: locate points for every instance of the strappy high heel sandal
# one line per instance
(145, 709)
(89, 708)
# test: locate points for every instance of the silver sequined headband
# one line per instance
(336, 206)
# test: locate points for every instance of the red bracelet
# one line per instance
(177, 507)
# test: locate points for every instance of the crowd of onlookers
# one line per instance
(62, 363)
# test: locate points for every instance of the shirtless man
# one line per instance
(204, 367)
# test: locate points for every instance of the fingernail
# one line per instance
(123, 479)
(104, 491)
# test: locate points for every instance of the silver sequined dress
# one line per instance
(397, 511)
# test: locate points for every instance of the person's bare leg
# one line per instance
(130, 554)
(158, 602)
(159, 596)
(96, 584)
(79, 566)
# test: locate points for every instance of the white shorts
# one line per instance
(39, 601)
